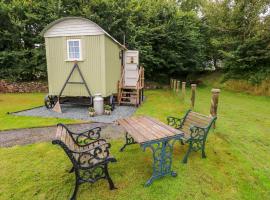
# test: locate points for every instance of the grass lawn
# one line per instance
(237, 166)
(16, 102)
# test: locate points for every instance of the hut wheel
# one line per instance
(50, 101)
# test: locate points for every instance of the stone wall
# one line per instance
(22, 87)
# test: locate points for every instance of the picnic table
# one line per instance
(159, 137)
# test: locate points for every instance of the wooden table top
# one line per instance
(145, 129)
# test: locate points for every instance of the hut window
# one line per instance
(74, 49)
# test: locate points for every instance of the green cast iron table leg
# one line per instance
(162, 158)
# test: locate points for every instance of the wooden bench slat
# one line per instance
(191, 122)
(199, 116)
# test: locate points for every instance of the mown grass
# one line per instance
(237, 164)
(17, 102)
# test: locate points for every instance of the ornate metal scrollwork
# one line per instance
(174, 122)
(92, 175)
(129, 140)
(91, 157)
(162, 159)
(84, 138)
(197, 137)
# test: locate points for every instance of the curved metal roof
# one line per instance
(81, 18)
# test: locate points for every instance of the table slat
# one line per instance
(145, 129)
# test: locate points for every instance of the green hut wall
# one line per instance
(100, 65)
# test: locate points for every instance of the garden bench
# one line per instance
(195, 127)
(88, 153)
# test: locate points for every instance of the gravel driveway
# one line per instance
(32, 135)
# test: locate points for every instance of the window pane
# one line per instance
(70, 55)
(70, 48)
(76, 43)
(77, 55)
(74, 49)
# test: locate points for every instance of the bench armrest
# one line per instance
(174, 122)
(197, 132)
(84, 138)
(87, 157)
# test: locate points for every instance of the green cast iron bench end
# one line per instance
(195, 127)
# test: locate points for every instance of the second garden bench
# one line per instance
(195, 127)
(88, 153)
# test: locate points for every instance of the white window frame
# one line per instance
(80, 49)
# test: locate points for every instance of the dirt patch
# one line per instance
(47, 134)
(22, 87)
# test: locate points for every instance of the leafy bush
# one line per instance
(24, 65)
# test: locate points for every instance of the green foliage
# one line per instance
(175, 38)
(169, 39)
(91, 109)
(24, 65)
(107, 107)
(239, 36)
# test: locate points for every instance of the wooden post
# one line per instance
(174, 84)
(214, 103)
(193, 90)
(171, 83)
(183, 90)
(177, 86)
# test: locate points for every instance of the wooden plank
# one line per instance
(194, 119)
(199, 116)
(192, 122)
(173, 130)
(144, 129)
(133, 132)
(141, 130)
(162, 130)
(150, 128)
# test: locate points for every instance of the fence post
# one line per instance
(183, 90)
(193, 91)
(174, 85)
(214, 103)
(177, 86)
(171, 83)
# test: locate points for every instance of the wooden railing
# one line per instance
(140, 83)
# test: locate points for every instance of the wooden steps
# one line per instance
(131, 95)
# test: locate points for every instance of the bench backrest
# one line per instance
(196, 119)
(63, 135)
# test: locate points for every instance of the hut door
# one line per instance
(131, 68)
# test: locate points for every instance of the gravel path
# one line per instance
(44, 134)
(79, 112)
